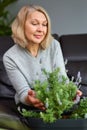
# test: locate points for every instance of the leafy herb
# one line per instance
(58, 94)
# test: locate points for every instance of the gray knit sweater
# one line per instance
(23, 69)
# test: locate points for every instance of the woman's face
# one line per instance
(36, 27)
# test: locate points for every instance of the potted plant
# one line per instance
(63, 108)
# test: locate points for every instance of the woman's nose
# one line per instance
(40, 28)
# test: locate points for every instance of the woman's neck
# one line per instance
(33, 49)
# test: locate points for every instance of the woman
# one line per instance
(35, 50)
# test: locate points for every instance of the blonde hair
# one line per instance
(18, 33)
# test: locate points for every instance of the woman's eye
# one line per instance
(34, 23)
(44, 24)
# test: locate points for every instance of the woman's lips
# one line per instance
(38, 36)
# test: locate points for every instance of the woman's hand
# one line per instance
(79, 93)
(31, 99)
(78, 96)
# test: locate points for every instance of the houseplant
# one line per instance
(59, 97)
(5, 17)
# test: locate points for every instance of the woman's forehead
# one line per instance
(37, 15)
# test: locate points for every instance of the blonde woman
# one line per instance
(35, 50)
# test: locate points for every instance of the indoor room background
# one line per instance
(67, 16)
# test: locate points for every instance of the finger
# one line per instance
(40, 106)
(33, 100)
(36, 103)
(79, 93)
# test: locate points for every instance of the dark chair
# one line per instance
(74, 49)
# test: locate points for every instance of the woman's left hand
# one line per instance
(79, 93)
(78, 96)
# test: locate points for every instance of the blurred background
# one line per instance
(67, 16)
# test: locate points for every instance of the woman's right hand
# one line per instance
(31, 99)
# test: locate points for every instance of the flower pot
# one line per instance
(60, 124)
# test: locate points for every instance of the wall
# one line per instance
(67, 16)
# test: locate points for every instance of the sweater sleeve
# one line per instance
(58, 60)
(17, 78)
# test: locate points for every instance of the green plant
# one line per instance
(5, 19)
(59, 96)
(80, 110)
